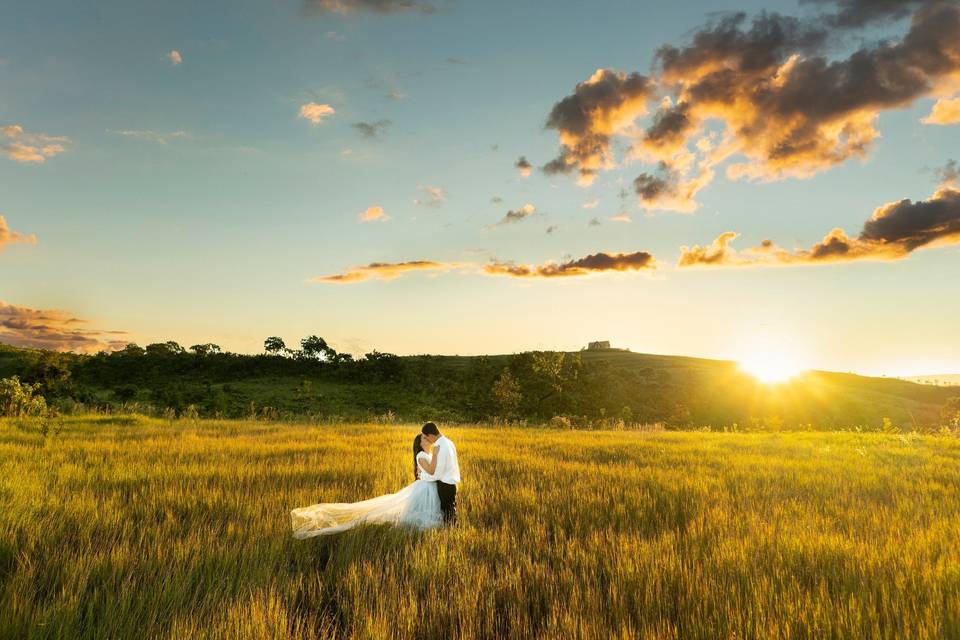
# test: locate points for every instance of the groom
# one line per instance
(447, 471)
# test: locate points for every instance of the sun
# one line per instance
(771, 366)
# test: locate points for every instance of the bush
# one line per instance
(21, 400)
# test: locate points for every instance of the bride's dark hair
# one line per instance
(416, 449)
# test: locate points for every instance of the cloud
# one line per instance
(667, 189)
(496, 200)
(516, 215)
(174, 57)
(8, 236)
(948, 174)
(151, 136)
(336, 36)
(385, 271)
(372, 129)
(552, 228)
(523, 166)
(434, 197)
(396, 95)
(590, 204)
(453, 60)
(594, 222)
(603, 105)
(893, 232)
(30, 148)
(348, 7)
(596, 263)
(621, 217)
(944, 112)
(374, 214)
(763, 93)
(55, 330)
(860, 13)
(315, 112)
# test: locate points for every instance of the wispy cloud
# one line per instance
(30, 148)
(595, 263)
(8, 236)
(348, 7)
(175, 58)
(372, 129)
(316, 112)
(516, 215)
(433, 197)
(590, 204)
(374, 214)
(385, 271)
(55, 330)
(147, 135)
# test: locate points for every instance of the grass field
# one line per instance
(131, 528)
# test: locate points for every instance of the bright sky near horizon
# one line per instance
(485, 177)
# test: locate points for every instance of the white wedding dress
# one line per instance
(417, 505)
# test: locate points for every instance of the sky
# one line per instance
(485, 177)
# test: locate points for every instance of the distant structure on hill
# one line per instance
(600, 345)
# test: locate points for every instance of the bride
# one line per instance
(417, 505)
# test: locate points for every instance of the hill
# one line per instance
(586, 388)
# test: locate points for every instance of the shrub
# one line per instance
(21, 400)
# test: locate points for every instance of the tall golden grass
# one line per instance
(136, 528)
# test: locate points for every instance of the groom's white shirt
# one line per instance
(448, 469)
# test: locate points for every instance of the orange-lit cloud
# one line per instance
(590, 204)
(595, 263)
(605, 104)
(374, 214)
(175, 58)
(893, 232)
(516, 215)
(8, 236)
(763, 94)
(945, 111)
(385, 271)
(55, 330)
(30, 148)
(315, 112)
(523, 166)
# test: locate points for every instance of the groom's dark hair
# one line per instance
(430, 429)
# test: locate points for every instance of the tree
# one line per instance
(205, 349)
(315, 347)
(169, 348)
(951, 412)
(275, 346)
(506, 394)
(386, 366)
(51, 372)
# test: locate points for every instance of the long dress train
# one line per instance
(417, 505)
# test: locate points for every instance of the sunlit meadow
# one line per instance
(131, 527)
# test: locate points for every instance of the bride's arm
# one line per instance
(431, 466)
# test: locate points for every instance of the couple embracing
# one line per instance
(429, 502)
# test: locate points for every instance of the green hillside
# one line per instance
(586, 388)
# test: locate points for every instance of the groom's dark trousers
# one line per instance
(448, 501)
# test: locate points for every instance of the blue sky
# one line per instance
(192, 203)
